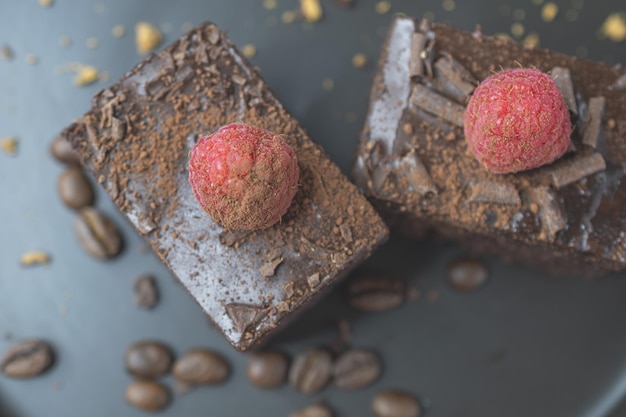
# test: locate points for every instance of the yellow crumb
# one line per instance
(32, 59)
(6, 52)
(248, 50)
(614, 27)
(537, 2)
(383, 7)
(517, 30)
(448, 5)
(549, 12)
(311, 10)
(519, 14)
(85, 75)
(9, 145)
(531, 40)
(328, 84)
(359, 61)
(118, 31)
(65, 41)
(187, 26)
(45, 3)
(147, 37)
(35, 257)
(270, 4)
(288, 16)
(92, 43)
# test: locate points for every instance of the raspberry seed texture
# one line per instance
(243, 176)
(517, 120)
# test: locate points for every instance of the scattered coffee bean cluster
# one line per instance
(97, 234)
(150, 360)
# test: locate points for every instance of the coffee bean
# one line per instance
(97, 234)
(393, 403)
(201, 367)
(148, 359)
(62, 150)
(466, 274)
(147, 395)
(376, 293)
(356, 369)
(74, 189)
(311, 370)
(268, 369)
(146, 292)
(26, 359)
(318, 410)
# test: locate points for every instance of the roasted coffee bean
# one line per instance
(466, 274)
(146, 292)
(97, 234)
(62, 150)
(318, 410)
(311, 370)
(393, 403)
(74, 189)
(376, 293)
(268, 369)
(148, 359)
(356, 369)
(26, 359)
(201, 367)
(147, 395)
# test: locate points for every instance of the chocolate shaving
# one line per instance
(244, 315)
(379, 176)
(593, 121)
(269, 268)
(494, 192)
(452, 78)
(411, 169)
(313, 280)
(577, 169)
(118, 129)
(550, 211)
(346, 232)
(563, 80)
(239, 80)
(424, 98)
(288, 288)
(416, 64)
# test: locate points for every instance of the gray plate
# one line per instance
(526, 345)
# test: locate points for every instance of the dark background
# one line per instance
(526, 345)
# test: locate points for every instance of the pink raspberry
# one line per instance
(244, 177)
(517, 120)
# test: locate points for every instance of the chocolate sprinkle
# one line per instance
(494, 192)
(550, 212)
(412, 170)
(416, 64)
(577, 169)
(563, 80)
(424, 98)
(453, 79)
(593, 121)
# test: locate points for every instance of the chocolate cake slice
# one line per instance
(135, 141)
(414, 164)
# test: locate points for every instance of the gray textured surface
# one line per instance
(527, 344)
